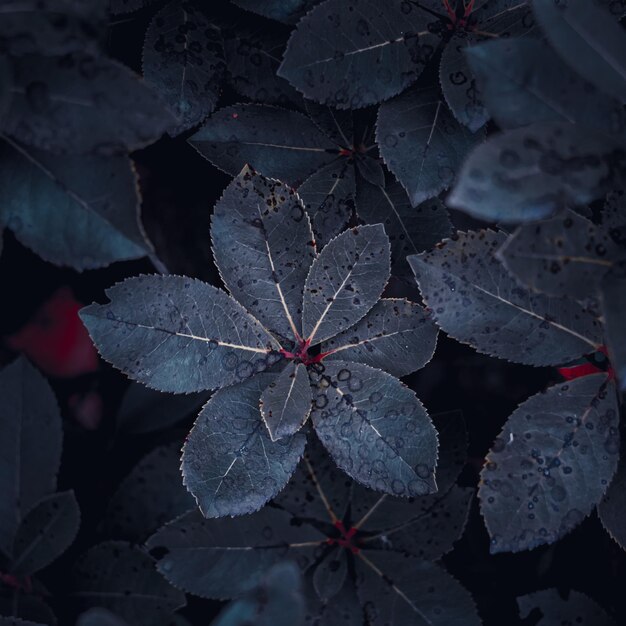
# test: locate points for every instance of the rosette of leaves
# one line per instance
(563, 122)
(302, 334)
(37, 523)
(366, 558)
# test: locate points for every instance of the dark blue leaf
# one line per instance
(566, 255)
(345, 282)
(126, 6)
(263, 246)
(289, 11)
(410, 229)
(551, 464)
(144, 410)
(343, 609)
(588, 38)
(421, 142)
(277, 142)
(375, 428)
(330, 575)
(286, 402)
(370, 169)
(336, 124)
(30, 445)
(612, 507)
(178, 334)
(400, 590)
(151, 495)
(100, 617)
(122, 578)
(396, 336)
(73, 210)
(528, 173)
(183, 60)
(45, 532)
(613, 296)
(475, 300)
(82, 104)
(277, 601)
(230, 464)
(522, 81)
(357, 54)
(196, 552)
(574, 608)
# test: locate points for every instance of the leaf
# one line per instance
(396, 336)
(529, 173)
(399, 590)
(263, 246)
(194, 552)
(370, 169)
(276, 142)
(574, 608)
(328, 197)
(289, 12)
(277, 601)
(351, 56)
(421, 142)
(127, 6)
(375, 428)
(230, 464)
(566, 255)
(410, 229)
(474, 299)
(144, 410)
(100, 617)
(612, 507)
(73, 210)
(343, 609)
(522, 81)
(50, 27)
(46, 531)
(613, 297)
(589, 39)
(551, 464)
(82, 104)
(458, 82)
(286, 402)
(121, 578)
(345, 281)
(183, 60)
(30, 445)
(178, 334)
(151, 495)
(330, 575)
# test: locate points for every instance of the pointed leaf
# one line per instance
(564, 256)
(46, 531)
(183, 61)
(396, 336)
(30, 445)
(263, 246)
(178, 334)
(151, 495)
(286, 402)
(551, 464)
(399, 590)
(375, 428)
(576, 608)
(589, 39)
(613, 297)
(83, 104)
(230, 464)
(75, 210)
(144, 410)
(345, 282)
(351, 56)
(528, 173)
(277, 142)
(411, 229)
(612, 508)
(194, 552)
(370, 169)
(121, 578)
(522, 81)
(421, 142)
(330, 575)
(328, 196)
(289, 12)
(277, 601)
(475, 300)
